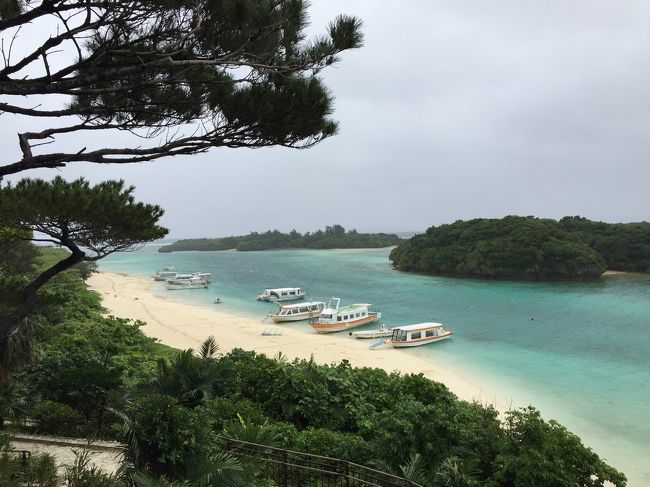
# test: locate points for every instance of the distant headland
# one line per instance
(517, 247)
(333, 237)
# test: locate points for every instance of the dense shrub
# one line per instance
(55, 418)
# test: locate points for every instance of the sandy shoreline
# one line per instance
(184, 326)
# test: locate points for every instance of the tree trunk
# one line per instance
(9, 323)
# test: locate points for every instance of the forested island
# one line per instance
(527, 248)
(81, 373)
(333, 237)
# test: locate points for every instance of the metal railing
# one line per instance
(297, 469)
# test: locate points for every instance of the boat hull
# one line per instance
(345, 325)
(277, 300)
(369, 334)
(175, 287)
(418, 342)
(299, 317)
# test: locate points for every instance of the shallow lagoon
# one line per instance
(578, 351)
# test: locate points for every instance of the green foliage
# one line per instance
(536, 452)
(104, 218)
(53, 418)
(511, 247)
(623, 246)
(40, 470)
(17, 256)
(333, 237)
(13, 402)
(10, 8)
(170, 437)
(83, 473)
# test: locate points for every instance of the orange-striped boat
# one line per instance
(418, 334)
(336, 318)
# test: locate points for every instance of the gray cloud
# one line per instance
(451, 110)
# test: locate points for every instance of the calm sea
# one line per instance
(578, 351)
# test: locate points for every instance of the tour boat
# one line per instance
(281, 294)
(381, 332)
(167, 273)
(297, 312)
(198, 280)
(335, 318)
(418, 334)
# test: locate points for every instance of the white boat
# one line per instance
(381, 332)
(167, 273)
(335, 318)
(297, 312)
(281, 294)
(194, 282)
(418, 334)
(206, 276)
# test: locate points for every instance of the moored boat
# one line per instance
(281, 294)
(194, 282)
(418, 334)
(381, 332)
(335, 318)
(297, 312)
(168, 272)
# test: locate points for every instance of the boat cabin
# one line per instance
(281, 294)
(313, 308)
(418, 334)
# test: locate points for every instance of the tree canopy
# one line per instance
(182, 76)
(511, 247)
(90, 221)
(176, 77)
(332, 237)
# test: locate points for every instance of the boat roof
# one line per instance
(280, 289)
(300, 305)
(350, 307)
(418, 326)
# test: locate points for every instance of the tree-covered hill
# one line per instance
(527, 248)
(334, 237)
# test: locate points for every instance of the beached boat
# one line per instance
(335, 318)
(168, 272)
(196, 281)
(381, 332)
(281, 294)
(297, 312)
(418, 334)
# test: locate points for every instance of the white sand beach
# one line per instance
(184, 326)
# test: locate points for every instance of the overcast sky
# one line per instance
(452, 110)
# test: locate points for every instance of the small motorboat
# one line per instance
(381, 332)
(418, 334)
(217, 301)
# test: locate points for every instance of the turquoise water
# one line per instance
(578, 351)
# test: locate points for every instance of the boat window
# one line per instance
(363, 313)
(326, 317)
(339, 318)
(415, 335)
(431, 333)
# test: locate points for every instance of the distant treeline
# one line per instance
(334, 237)
(528, 248)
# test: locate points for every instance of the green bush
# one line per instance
(55, 418)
